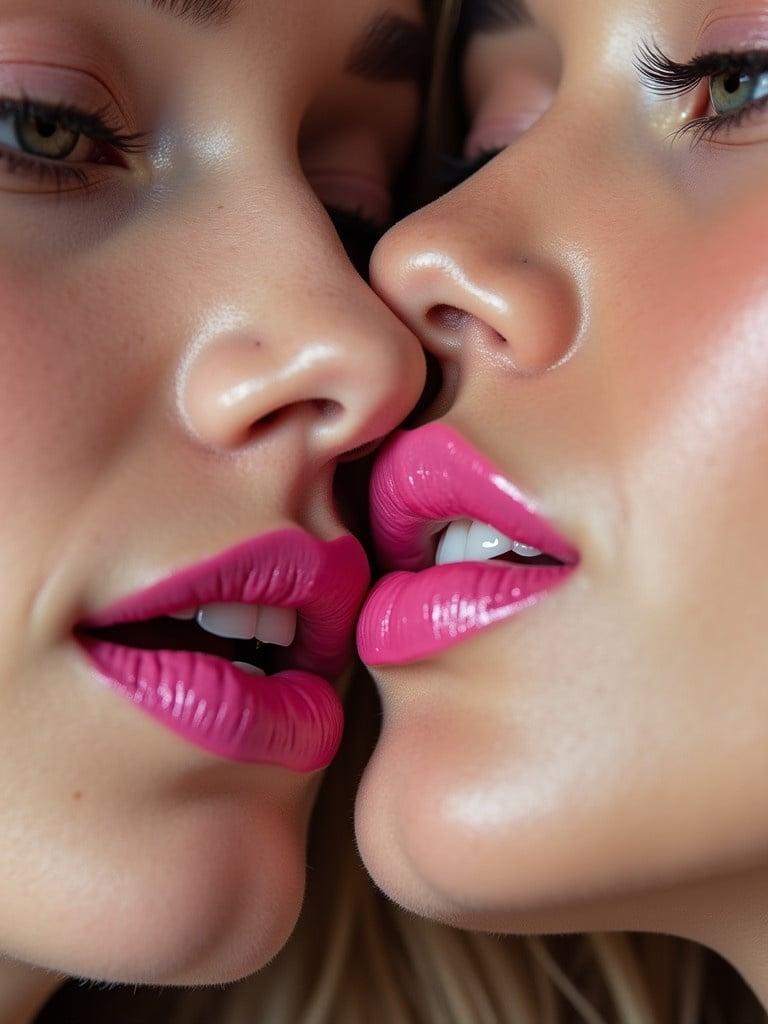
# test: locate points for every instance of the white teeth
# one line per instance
(453, 543)
(485, 542)
(235, 621)
(467, 540)
(245, 622)
(187, 613)
(525, 550)
(277, 626)
(252, 670)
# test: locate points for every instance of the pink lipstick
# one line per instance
(423, 482)
(268, 705)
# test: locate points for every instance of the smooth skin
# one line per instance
(600, 761)
(187, 352)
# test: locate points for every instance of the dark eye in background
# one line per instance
(359, 237)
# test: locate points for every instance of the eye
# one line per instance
(733, 90)
(40, 136)
(736, 89)
(360, 208)
(59, 143)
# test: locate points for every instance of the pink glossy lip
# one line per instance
(422, 480)
(293, 718)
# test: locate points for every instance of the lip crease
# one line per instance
(423, 480)
(293, 718)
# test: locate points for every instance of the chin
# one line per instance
(485, 869)
(212, 901)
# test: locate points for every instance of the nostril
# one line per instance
(462, 326)
(328, 409)
(447, 318)
(320, 409)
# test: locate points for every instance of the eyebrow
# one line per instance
(198, 12)
(391, 49)
(491, 15)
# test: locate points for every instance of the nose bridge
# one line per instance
(287, 328)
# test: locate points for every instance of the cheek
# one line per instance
(58, 351)
(692, 432)
(54, 426)
(72, 378)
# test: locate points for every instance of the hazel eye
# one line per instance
(44, 137)
(732, 90)
(38, 136)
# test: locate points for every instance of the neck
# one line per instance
(743, 935)
(731, 917)
(24, 990)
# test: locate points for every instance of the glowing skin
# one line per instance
(186, 353)
(598, 294)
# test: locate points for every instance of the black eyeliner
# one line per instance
(669, 77)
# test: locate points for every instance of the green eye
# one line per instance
(733, 90)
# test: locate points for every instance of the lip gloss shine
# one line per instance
(423, 480)
(292, 718)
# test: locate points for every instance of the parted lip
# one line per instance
(424, 479)
(325, 581)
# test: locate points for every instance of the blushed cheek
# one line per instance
(53, 427)
(690, 364)
(687, 347)
(44, 386)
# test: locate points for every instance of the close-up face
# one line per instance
(576, 713)
(188, 351)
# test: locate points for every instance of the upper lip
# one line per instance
(325, 581)
(424, 479)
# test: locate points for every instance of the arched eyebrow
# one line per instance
(199, 12)
(492, 15)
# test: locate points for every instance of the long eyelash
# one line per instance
(670, 78)
(94, 125)
(705, 129)
(62, 174)
(359, 236)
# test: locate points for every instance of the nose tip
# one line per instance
(348, 386)
(464, 298)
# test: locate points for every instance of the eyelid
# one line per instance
(498, 134)
(355, 193)
(733, 31)
(57, 86)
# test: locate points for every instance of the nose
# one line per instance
(344, 372)
(476, 284)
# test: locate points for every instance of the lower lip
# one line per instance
(413, 616)
(292, 720)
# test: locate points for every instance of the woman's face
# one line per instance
(187, 352)
(569, 735)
